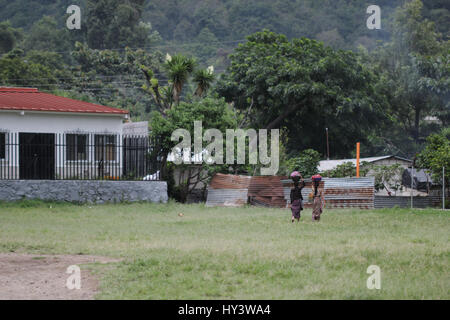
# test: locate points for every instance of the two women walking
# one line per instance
(317, 196)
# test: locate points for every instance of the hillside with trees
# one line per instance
(298, 65)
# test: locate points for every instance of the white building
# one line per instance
(43, 136)
(326, 165)
(389, 160)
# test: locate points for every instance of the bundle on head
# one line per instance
(295, 176)
(316, 180)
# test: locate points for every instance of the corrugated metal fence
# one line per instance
(274, 191)
(340, 192)
(228, 190)
(403, 202)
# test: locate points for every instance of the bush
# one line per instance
(306, 163)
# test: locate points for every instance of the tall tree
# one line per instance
(117, 24)
(214, 113)
(436, 155)
(9, 37)
(46, 35)
(415, 64)
(305, 86)
(178, 70)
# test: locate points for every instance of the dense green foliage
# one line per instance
(415, 70)
(213, 113)
(117, 24)
(388, 178)
(306, 163)
(436, 155)
(388, 89)
(189, 24)
(347, 169)
(9, 37)
(305, 86)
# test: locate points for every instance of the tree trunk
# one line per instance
(275, 123)
(417, 124)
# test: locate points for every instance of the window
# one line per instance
(2, 145)
(105, 147)
(76, 147)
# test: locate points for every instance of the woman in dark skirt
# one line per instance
(296, 196)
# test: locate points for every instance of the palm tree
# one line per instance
(203, 79)
(178, 68)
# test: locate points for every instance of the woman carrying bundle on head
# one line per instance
(296, 195)
(318, 198)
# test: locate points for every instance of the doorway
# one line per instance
(37, 156)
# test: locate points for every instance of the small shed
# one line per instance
(388, 160)
(421, 179)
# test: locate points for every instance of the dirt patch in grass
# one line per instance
(43, 277)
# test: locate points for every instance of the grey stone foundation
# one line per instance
(84, 191)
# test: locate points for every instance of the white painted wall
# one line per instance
(52, 122)
(13, 122)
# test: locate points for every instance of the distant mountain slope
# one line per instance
(340, 23)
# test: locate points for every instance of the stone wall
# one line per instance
(84, 191)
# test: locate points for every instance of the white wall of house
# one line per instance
(392, 161)
(14, 122)
(65, 122)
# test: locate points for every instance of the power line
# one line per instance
(103, 76)
(81, 83)
(162, 46)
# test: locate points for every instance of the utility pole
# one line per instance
(328, 146)
(412, 184)
(357, 158)
(412, 180)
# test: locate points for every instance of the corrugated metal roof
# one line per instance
(340, 182)
(31, 99)
(325, 165)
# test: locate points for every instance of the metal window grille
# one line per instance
(79, 156)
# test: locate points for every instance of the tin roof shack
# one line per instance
(388, 160)
(423, 185)
(421, 179)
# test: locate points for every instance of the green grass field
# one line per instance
(242, 253)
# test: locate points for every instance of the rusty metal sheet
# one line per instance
(227, 197)
(274, 191)
(267, 191)
(228, 181)
(339, 192)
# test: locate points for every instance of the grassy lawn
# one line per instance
(242, 253)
